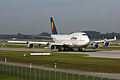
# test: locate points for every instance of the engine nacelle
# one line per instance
(94, 46)
(39, 44)
(52, 46)
(106, 44)
(30, 45)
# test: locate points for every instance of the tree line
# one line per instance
(93, 35)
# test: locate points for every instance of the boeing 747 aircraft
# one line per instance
(65, 42)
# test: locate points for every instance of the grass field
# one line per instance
(65, 61)
(3, 77)
(115, 44)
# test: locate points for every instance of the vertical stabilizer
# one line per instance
(53, 28)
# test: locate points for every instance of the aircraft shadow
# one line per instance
(79, 51)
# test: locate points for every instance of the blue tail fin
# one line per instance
(53, 28)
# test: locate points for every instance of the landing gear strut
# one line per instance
(70, 49)
(79, 49)
(63, 48)
(59, 49)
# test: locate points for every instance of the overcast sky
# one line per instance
(32, 16)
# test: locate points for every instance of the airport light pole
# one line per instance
(24, 54)
(55, 64)
(5, 59)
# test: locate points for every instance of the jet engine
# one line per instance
(51, 46)
(39, 44)
(30, 45)
(106, 44)
(94, 46)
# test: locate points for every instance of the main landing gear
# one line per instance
(61, 48)
(79, 49)
(66, 48)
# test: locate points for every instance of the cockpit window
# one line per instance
(84, 34)
(73, 38)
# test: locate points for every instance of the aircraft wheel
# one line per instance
(79, 49)
(65, 49)
(71, 49)
(59, 49)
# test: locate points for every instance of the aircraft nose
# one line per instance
(87, 41)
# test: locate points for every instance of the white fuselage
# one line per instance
(75, 40)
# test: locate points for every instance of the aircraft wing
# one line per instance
(42, 43)
(25, 42)
(57, 44)
(105, 40)
(29, 42)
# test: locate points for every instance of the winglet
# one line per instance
(112, 39)
(53, 28)
(115, 38)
